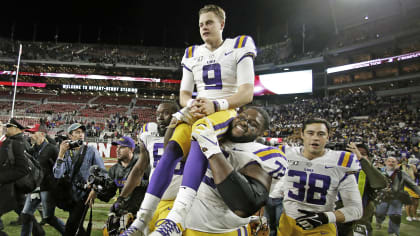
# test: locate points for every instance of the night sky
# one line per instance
(162, 23)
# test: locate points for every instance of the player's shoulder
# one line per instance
(267, 152)
(242, 41)
(346, 160)
(285, 148)
(148, 130)
(192, 51)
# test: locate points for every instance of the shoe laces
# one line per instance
(132, 229)
(167, 227)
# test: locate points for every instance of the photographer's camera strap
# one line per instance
(78, 163)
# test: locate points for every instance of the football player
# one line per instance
(151, 142)
(237, 182)
(313, 179)
(223, 73)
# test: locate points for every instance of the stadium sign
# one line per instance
(107, 151)
(98, 88)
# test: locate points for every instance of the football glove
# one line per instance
(206, 137)
(184, 115)
(119, 206)
(311, 220)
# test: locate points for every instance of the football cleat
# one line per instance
(132, 231)
(166, 227)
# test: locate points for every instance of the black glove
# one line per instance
(311, 220)
(119, 206)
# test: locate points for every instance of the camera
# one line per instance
(75, 144)
(60, 137)
(99, 179)
(338, 146)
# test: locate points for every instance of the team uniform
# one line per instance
(215, 75)
(313, 185)
(154, 145)
(209, 213)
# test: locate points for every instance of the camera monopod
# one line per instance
(79, 231)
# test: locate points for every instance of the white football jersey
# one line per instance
(209, 212)
(313, 185)
(214, 72)
(154, 146)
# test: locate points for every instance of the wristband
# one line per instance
(223, 104)
(216, 106)
(189, 102)
(331, 217)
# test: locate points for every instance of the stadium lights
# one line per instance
(374, 62)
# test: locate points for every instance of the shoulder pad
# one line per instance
(241, 41)
(346, 159)
(150, 127)
(189, 52)
(269, 152)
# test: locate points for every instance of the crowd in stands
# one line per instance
(390, 125)
(94, 53)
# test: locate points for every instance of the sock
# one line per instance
(146, 211)
(182, 205)
(164, 171)
(195, 167)
(194, 171)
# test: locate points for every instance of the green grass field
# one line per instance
(100, 211)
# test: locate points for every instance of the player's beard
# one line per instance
(242, 139)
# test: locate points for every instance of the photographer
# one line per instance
(11, 148)
(369, 179)
(75, 159)
(46, 153)
(119, 174)
(392, 198)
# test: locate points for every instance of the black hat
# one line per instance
(13, 123)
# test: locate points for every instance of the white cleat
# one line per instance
(166, 227)
(135, 230)
(132, 231)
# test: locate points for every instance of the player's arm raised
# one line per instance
(136, 174)
(133, 180)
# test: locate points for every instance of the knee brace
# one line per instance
(396, 219)
(242, 194)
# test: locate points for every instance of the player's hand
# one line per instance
(351, 147)
(184, 115)
(206, 106)
(119, 206)
(311, 220)
(206, 138)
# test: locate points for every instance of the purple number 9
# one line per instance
(215, 81)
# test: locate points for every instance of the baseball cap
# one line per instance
(38, 128)
(76, 126)
(125, 141)
(13, 123)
